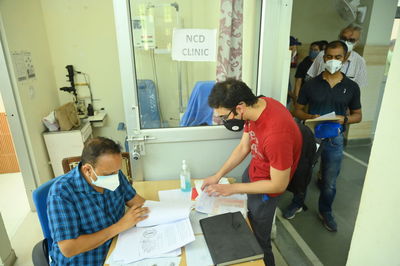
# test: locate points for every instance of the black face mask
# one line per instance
(235, 125)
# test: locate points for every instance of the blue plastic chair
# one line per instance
(40, 199)
(198, 112)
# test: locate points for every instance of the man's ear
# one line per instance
(86, 168)
(240, 108)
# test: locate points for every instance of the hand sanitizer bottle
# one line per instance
(185, 177)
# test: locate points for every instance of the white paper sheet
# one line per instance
(197, 253)
(139, 243)
(219, 205)
(327, 116)
(165, 212)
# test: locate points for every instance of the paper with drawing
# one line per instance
(139, 243)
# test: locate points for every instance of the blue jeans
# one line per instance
(331, 160)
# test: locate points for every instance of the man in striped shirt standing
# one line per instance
(354, 65)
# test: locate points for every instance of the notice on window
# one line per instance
(144, 32)
(194, 45)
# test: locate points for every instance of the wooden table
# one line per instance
(149, 191)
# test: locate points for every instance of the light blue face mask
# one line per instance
(313, 54)
(110, 182)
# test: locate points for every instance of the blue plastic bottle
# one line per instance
(185, 177)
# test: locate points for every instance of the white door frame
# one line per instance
(272, 79)
(12, 105)
(274, 63)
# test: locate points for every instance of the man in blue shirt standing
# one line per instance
(330, 91)
(86, 207)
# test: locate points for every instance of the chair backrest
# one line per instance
(71, 162)
(40, 199)
(198, 112)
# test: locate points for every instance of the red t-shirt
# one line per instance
(275, 141)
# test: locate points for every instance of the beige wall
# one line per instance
(25, 30)
(313, 21)
(376, 46)
(376, 235)
(82, 34)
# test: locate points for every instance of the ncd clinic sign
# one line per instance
(194, 45)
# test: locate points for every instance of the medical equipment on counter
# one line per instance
(71, 80)
(80, 102)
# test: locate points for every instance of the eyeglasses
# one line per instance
(225, 117)
(349, 39)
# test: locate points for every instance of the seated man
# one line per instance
(86, 207)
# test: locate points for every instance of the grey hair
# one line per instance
(353, 26)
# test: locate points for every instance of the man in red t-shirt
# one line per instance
(275, 142)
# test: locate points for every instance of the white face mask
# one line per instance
(333, 65)
(350, 46)
(110, 182)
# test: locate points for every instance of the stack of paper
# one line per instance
(162, 234)
(219, 205)
(199, 183)
(163, 240)
(165, 212)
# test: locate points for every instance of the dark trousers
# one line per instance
(261, 215)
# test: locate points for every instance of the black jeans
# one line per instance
(261, 215)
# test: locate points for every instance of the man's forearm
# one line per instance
(297, 86)
(277, 184)
(84, 243)
(300, 114)
(258, 187)
(354, 118)
(137, 200)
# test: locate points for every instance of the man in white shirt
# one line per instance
(354, 66)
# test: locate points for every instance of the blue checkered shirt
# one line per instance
(74, 208)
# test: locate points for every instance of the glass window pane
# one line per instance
(174, 93)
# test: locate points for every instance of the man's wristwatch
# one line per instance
(345, 120)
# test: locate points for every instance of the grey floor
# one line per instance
(332, 248)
